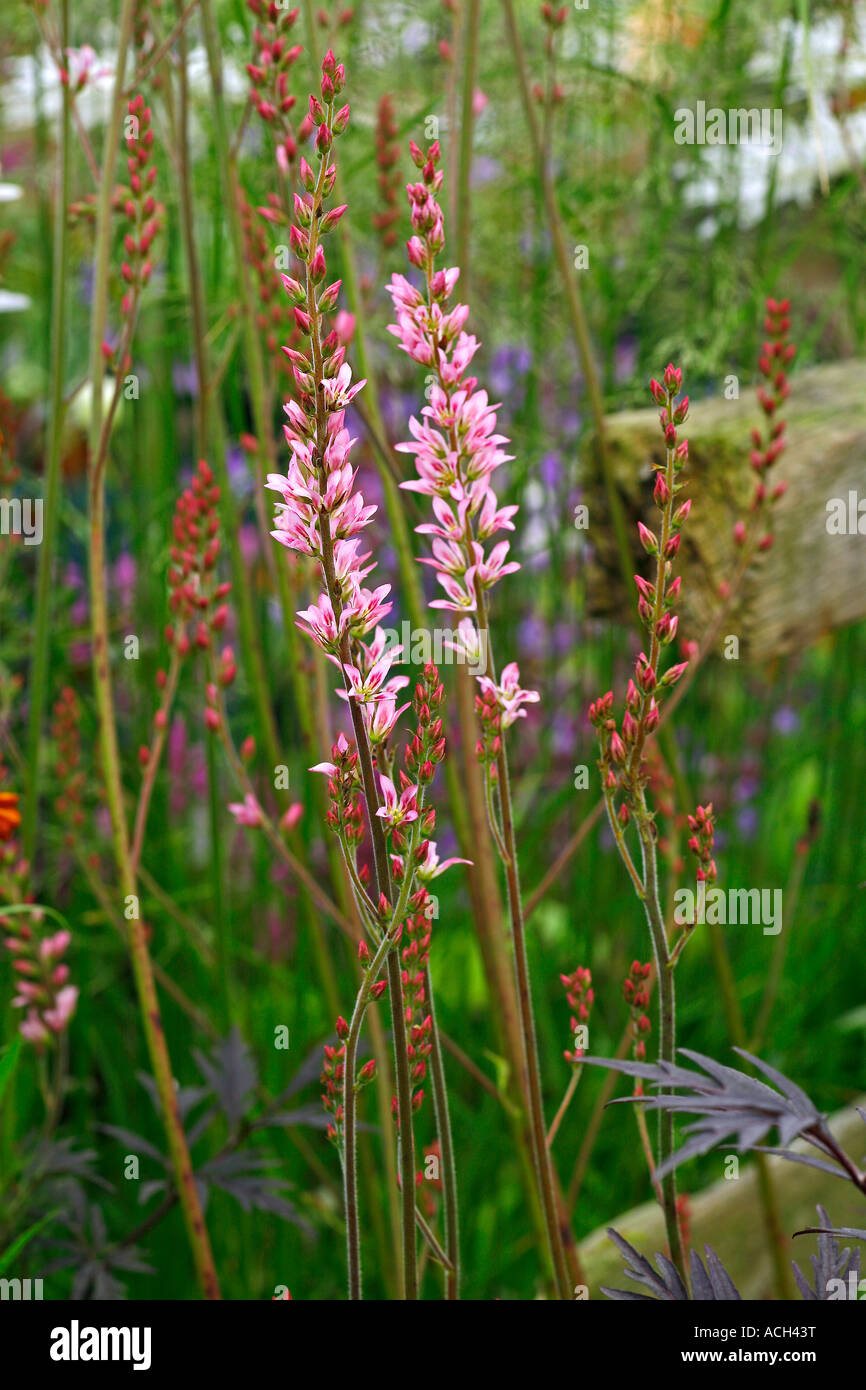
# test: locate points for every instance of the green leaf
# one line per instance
(24, 1239)
(8, 1063)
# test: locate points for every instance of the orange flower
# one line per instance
(10, 816)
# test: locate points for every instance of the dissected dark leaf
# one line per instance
(134, 1142)
(188, 1097)
(246, 1176)
(59, 1158)
(709, 1284)
(231, 1074)
(311, 1115)
(831, 1262)
(729, 1103)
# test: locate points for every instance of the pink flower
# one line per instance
(54, 946)
(64, 1007)
(291, 816)
(32, 1029)
(470, 645)
(247, 812)
(396, 811)
(507, 695)
(461, 597)
(369, 686)
(345, 326)
(430, 867)
(338, 390)
(381, 716)
(319, 622)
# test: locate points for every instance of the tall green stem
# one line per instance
(667, 1023)
(53, 476)
(141, 963)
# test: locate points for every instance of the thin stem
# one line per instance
(446, 1147)
(54, 476)
(563, 1106)
(667, 1023)
(142, 969)
(156, 748)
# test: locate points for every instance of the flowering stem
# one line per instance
(156, 748)
(387, 947)
(350, 1177)
(667, 1023)
(446, 1147)
(142, 969)
(365, 759)
(532, 1077)
(563, 1107)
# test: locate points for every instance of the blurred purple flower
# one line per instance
(184, 378)
(123, 578)
(625, 358)
(484, 170)
(534, 637)
(786, 720)
(238, 468)
(507, 365)
(248, 537)
(550, 469)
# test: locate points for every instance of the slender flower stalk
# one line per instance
(623, 771)
(457, 450)
(321, 515)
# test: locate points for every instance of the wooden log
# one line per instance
(812, 580)
(728, 1217)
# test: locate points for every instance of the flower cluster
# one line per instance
(66, 732)
(701, 842)
(455, 444)
(580, 996)
(275, 56)
(767, 444)
(332, 1086)
(41, 985)
(321, 514)
(388, 178)
(552, 18)
(273, 316)
(82, 68)
(143, 213)
(636, 992)
(195, 595)
(332, 1078)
